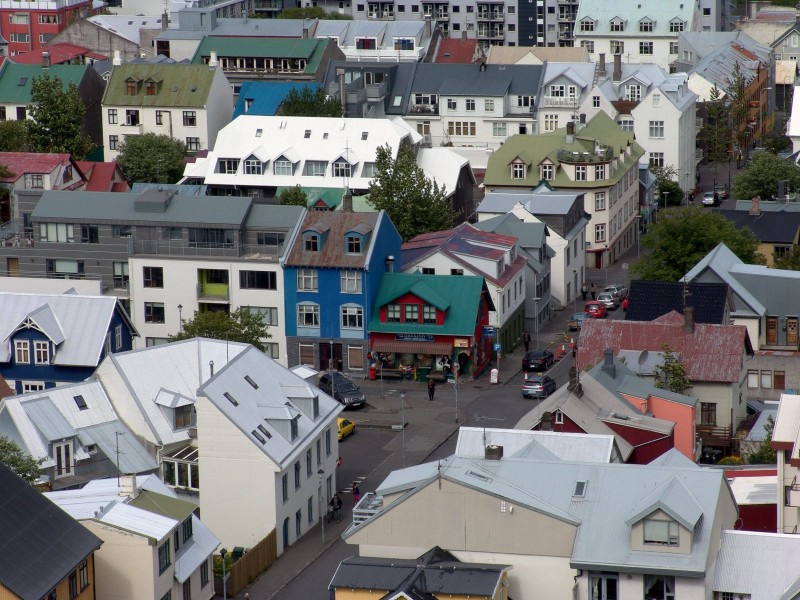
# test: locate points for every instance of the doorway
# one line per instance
(325, 356)
(12, 266)
(791, 331)
(772, 331)
(286, 533)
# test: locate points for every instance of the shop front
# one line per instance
(414, 356)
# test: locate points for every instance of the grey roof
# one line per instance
(762, 565)
(624, 381)
(346, 31)
(48, 420)
(529, 235)
(182, 189)
(238, 27)
(194, 553)
(773, 227)
(612, 493)
(717, 65)
(673, 458)
(76, 324)
(673, 498)
(119, 207)
(757, 432)
(545, 202)
(462, 79)
(133, 457)
(40, 544)
(290, 397)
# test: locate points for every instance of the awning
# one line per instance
(443, 348)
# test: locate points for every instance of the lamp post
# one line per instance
(403, 425)
(330, 369)
(180, 318)
(666, 199)
(222, 553)
(321, 474)
(455, 385)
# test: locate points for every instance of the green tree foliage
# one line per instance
(18, 461)
(789, 261)
(738, 108)
(294, 196)
(307, 103)
(718, 132)
(239, 326)
(681, 237)
(671, 374)
(56, 118)
(414, 203)
(151, 158)
(762, 175)
(764, 454)
(311, 12)
(666, 186)
(13, 136)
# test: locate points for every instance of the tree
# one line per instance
(19, 462)
(239, 326)
(13, 136)
(312, 12)
(307, 103)
(681, 237)
(738, 107)
(666, 186)
(56, 118)
(293, 196)
(151, 158)
(764, 454)
(789, 261)
(671, 374)
(414, 203)
(762, 175)
(717, 131)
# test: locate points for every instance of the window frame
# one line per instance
(164, 558)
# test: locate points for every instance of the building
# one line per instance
(384, 40)
(29, 25)
(264, 98)
(778, 233)
(34, 565)
(103, 176)
(649, 300)
(57, 53)
(332, 273)
(187, 102)
(757, 565)
(785, 440)
(123, 36)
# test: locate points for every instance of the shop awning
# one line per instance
(443, 348)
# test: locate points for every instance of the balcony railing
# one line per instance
(602, 154)
(369, 505)
(551, 101)
(427, 109)
(213, 291)
(714, 436)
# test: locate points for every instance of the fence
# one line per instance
(252, 563)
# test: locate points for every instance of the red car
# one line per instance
(596, 309)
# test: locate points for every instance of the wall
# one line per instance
(124, 404)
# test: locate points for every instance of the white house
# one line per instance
(381, 41)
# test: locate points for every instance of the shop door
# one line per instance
(772, 331)
(12, 266)
(325, 356)
(598, 260)
(791, 331)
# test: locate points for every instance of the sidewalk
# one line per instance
(428, 425)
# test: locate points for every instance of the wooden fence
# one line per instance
(252, 563)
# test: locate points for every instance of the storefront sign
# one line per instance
(488, 331)
(413, 337)
(461, 343)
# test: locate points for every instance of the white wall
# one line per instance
(124, 404)
(43, 285)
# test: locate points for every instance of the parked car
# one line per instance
(722, 190)
(711, 199)
(619, 290)
(344, 427)
(342, 389)
(538, 386)
(609, 299)
(596, 309)
(537, 360)
(576, 321)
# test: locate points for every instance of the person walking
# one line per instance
(431, 389)
(593, 291)
(356, 493)
(526, 340)
(336, 505)
(584, 291)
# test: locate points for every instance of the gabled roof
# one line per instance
(456, 51)
(16, 80)
(128, 27)
(265, 97)
(310, 49)
(179, 85)
(531, 237)
(101, 176)
(673, 498)
(461, 80)
(40, 544)
(660, 12)
(716, 67)
(59, 53)
(24, 163)
(624, 382)
(673, 458)
(333, 245)
(649, 300)
(768, 227)
(510, 55)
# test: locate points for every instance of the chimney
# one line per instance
(164, 21)
(347, 202)
(45, 60)
(211, 367)
(608, 362)
(574, 383)
(688, 319)
(305, 33)
(493, 452)
(617, 74)
(212, 59)
(342, 90)
(426, 32)
(389, 264)
(755, 208)
(570, 132)
(601, 68)
(117, 59)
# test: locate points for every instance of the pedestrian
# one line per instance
(584, 291)
(431, 389)
(356, 493)
(336, 505)
(246, 596)
(526, 340)
(593, 291)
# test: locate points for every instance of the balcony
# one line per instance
(424, 109)
(377, 91)
(710, 435)
(493, 15)
(213, 292)
(491, 34)
(603, 154)
(369, 505)
(556, 101)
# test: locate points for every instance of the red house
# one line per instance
(29, 25)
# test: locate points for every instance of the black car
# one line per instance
(538, 360)
(538, 386)
(342, 389)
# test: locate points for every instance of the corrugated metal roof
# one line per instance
(133, 457)
(264, 97)
(673, 498)
(176, 84)
(51, 423)
(137, 520)
(16, 80)
(47, 321)
(197, 551)
(754, 490)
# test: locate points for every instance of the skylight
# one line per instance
(580, 489)
(231, 399)
(80, 402)
(263, 430)
(249, 380)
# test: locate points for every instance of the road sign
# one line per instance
(497, 347)
(488, 330)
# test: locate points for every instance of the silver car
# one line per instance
(609, 299)
(619, 290)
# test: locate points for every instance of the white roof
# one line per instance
(76, 324)
(793, 128)
(126, 26)
(443, 165)
(138, 520)
(787, 423)
(304, 372)
(82, 503)
(196, 551)
(754, 490)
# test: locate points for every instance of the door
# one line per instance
(63, 456)
(791, 331)
(772, 331)
(598, 260)
(603, 587)
(325, 356)
(286, 533)
(12, 267)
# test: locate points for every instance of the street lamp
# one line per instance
(180, 318)
(403, 424)
(666, 198)
(455, 385)
(321, 474)
(222, 553)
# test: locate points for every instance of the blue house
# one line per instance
(48, 339)
(265, 97)
(332, 273)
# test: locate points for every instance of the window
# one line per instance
(41, 352)
(73, 585)
(595, 101)
(131, 118)
(253, 166)
(282, 167)
(656, 99)
(766, 380)
(779, 380)
(368, 169)
(580, 173)
(617, 25)
(193, 144)
(228, 166)
(285, 486)
(524, 101)
(752, 379)
(600, 232)
(517, 170)
(657, 159)
(310, 242)
(37, 181)
(499, 129)
(154, 312)
(661, 532)
(470, 104)
(645, 47)
(656, 129)
(589, 45)
(350, 281)
(599, 200)
(22, 352)
(352, 317)
(65, 268)
(298, 523)
(633, 92)
(33, 386)
(676, 26)
(673, 47)
(315, 168)
(183, 416)
(646, 25)
(307, 280)
(258, 280)
(308, 315)
(83, 574)
(306, 352)
(626, 124)
(171, 233)
(559, 417)
(159, 117)
(411, 313)
(393, 313)
(547, 172)
(210, 238)
(163, 557)
(429, 314)
(550, 122)
(118, 337)
(559, 91)
(153, 277)
(451, 104)
(354, 244)
(599, 172)
(187, 589)
(587, 25)
(121, 231)
(189, 118)
(327, 442)
(297, 475)
(466, 128)
(20, 19)
(488, 105)
(270, 238)
(708, 413)
(56, 232)
(89, 234)
(112, 116)
(617, 47)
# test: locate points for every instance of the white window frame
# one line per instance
(22, 352)
(518, 170)
(547, 172)
(307, 280)
(41, 352)
(355, 312)
(599, 201)
(600, 232)
(350, 281)
(656, 130)
(308, 309)
(65, 452)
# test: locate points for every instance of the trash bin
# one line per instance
(494, 376)
(237, 553)
(373, 374)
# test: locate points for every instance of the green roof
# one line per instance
(163, 505)
(534, 149)
(331, 197)
(309, 49)
(458, 295)
(176, 85)
(15, 80)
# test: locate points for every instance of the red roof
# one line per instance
(456, 51)
(59, 53)
(100, 176)
(20, 163)
(711, 353)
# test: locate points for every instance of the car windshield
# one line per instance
(346, 387)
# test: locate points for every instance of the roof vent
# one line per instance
(493, 452)
(249, 380)
(620, 416)
(230, 398)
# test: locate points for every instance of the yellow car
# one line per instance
(346, 427)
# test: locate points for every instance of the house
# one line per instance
(153, 543)
(371, 89)
(424, 322)
(332, 274)
(381, 41)
(538, 55)
(561, 217)
(30, 25)
(76, 433)
(565, 527)
(778, 233)
(713, 357)
(467, 250)
(786, 443)
(600, 160)
(457, 51)
(57, 53)
(128, 37)
(649, 300)
(50, 339)
(103, 176)
(264, 98)
(47, 553)
(187, 102)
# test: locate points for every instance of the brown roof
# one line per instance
(711, 353)
(334, 224)
(5, 389)
(457, 51)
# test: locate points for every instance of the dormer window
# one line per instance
(429, 314)
(547, 172)
(342, 168)
(518, 170)
(293, 429)
(676, 26)
(228, 166)
(661, 532)
(617, 24)
(131, 87)
(393, 313)
(311, 242)
(41, 354)
(183, 416)
(150, 88)
(587, 25)
(354, 244)
(633, 92)
(646, 26)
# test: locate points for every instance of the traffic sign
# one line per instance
(488, 330)
(497, 347)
